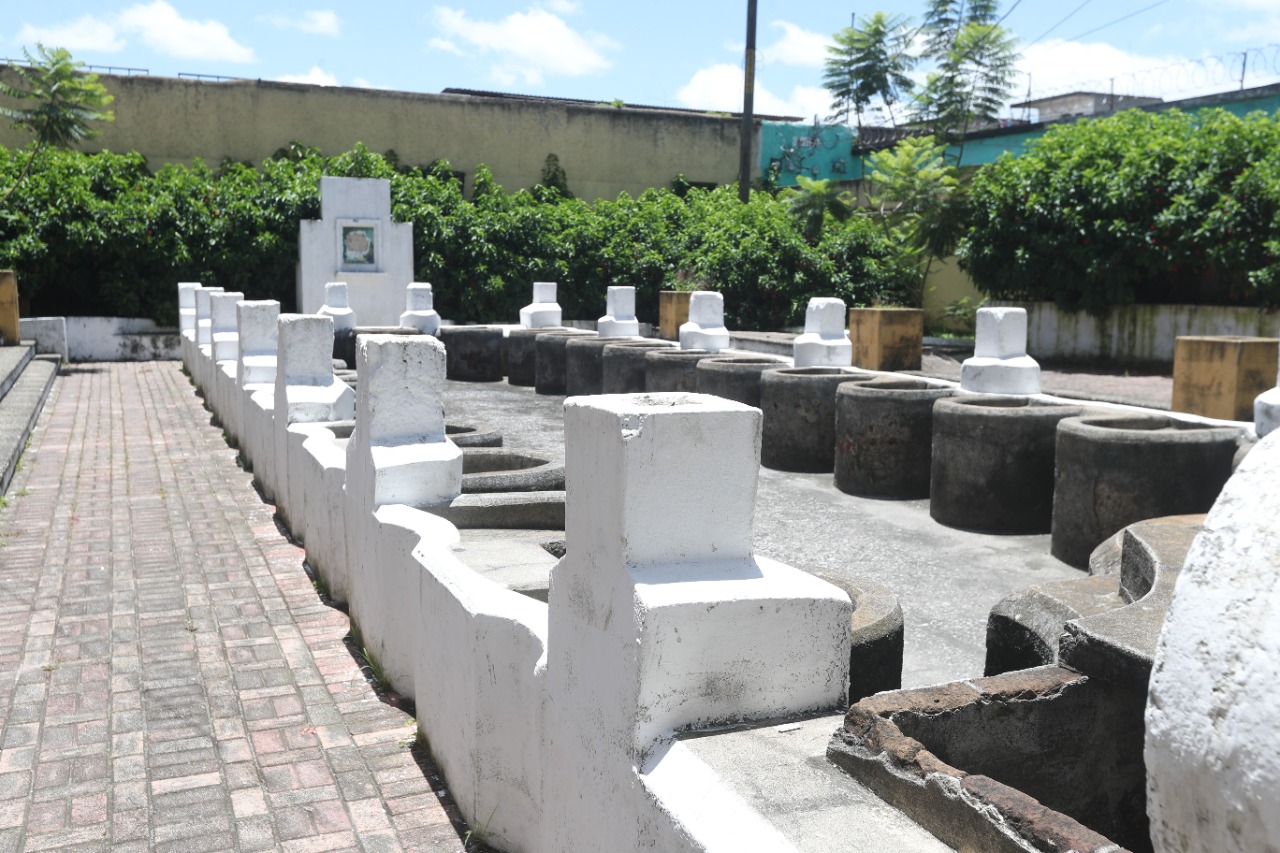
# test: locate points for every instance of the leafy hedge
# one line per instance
(1137, 207)
(102, 234)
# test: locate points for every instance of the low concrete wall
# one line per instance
(119, 339)
(49, 333)
(1135, 334)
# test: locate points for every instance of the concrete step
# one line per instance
(19, 408)
(12, 361)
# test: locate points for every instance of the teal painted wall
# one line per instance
(824, 152)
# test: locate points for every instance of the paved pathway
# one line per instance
(169, 679)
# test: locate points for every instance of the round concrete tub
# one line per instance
(673, 369)
(584, 364)
(992, 465)
(884, 437)
(623, 366)
(463, 435)
(1115, 470)
(875, 656)
(522, 355)
(472, 353)
(497, 470)
(799, 405)
(549, 359)
(735, 377)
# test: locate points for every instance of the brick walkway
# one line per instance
(169, 679)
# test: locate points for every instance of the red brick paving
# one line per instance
(169, 679)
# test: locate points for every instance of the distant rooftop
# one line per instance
(478, 93)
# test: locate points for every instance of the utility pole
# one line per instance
(748, 107)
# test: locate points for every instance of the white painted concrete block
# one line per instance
(1001, 333)
(825, 342)
(337, 304)
(1212, 716)
(223, 330)
(256, 324)
(544, 311)
(203, 317)
(660, 616)
(619, 319)
(1000, 364)
(705, 329)
(1266, 412)
(420, 311)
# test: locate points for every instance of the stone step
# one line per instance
(20, 407)
(12, 361)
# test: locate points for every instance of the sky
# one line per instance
(657, 52)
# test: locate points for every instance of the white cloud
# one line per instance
(165, 31)
(446, 46)
(719, 88)
(796, 46)
(83, 34)
(1058, 66)
(317, 76)
(322, 22)
(562, 7)
(528, 44)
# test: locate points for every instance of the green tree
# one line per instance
(919, 201)
(868, 64)
(64, 103)
(974, 66)
(812, 202)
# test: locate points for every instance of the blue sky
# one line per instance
(686, 54)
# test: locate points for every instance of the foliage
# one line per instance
(554, 177)
(1136, 207)
(868, 64)
(65, 103)
(812, 202)
(972, 80)
(103, 234)
(919, 202)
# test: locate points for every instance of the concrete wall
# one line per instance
(1135, 333)
(603, 149)
(119, 339)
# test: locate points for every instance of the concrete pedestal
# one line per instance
(736, 378)
(799, 405)
(886, 338)
(673, 370)
(1219, 377)
(472, 353)
(549, 357)
(884, 437)
(622, 365)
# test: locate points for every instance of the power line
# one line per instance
(1118, 20)
(1060, 23)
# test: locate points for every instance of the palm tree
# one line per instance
(812, 202)
(65, 102)
(868, 63)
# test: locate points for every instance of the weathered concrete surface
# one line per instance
(782, 771)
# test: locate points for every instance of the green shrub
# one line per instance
(1137, 207)
(102, 234)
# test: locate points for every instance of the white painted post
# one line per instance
(619, 319)
(397, 454)
(338, 306)
(705, 329)
(223, 332)
(661, 618)
(306, 391)
(544, 311)
(420, 311)
(1266, 411)
(187, 305)
(1000, 364)
(825, 342)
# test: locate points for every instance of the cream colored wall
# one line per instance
(603, 149)
(946, 283)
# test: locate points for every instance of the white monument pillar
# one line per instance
(202, 353)
(420, 314)
(705, 329)
(1000, 364)
(825, 342)
(660, 616)
(223, 331)
(619, 319)
(355, 241)
(544, 311)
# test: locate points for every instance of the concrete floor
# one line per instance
(946, 580)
